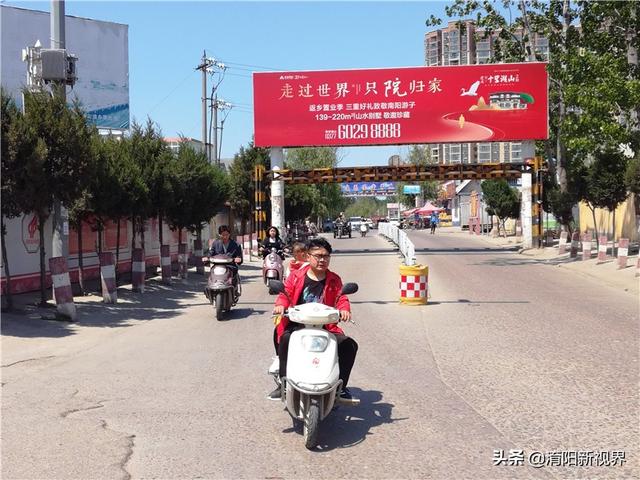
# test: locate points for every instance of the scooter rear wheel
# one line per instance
(311, 426)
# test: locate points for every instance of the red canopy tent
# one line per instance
(406, 213)
(428, 209)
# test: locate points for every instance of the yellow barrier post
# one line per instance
(414, 281)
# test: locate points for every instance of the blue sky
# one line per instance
(166, 41)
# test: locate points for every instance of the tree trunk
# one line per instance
(80, 259)
(133, 242)
(117, 248)
(5, 263)
(179, 235)
(100, 230)
(595, 225)
(560, 150)
(160, 240)
(614, 251)
(143, 227)
(527, 37)
(43, 296)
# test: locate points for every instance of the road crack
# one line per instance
(130, 444)
(128, 449)
(66, 413)
(28, 360)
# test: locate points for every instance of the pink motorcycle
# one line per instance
(220, 289)
(273, 266)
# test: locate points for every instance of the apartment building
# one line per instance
(464, 44)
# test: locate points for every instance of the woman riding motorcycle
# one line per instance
(273, 240)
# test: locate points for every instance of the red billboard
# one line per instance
(471, 103)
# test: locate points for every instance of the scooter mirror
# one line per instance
(349, 288)
(276, 286)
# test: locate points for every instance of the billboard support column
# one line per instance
(277, 190)
(525, 212)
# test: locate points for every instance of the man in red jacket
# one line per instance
(315, 283)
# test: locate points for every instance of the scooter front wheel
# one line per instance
(311, 425)
(219, 306)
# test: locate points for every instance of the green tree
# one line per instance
(419, 155)
(502, 201)
(605, 184)
(241, 181)
(632, 181)
(319, 200)
(78, 214)
(200, 190)
(632, 175)
(154, 158)
(62, 167)
(20, 148)
(127, 190)
(594, 77)
(366, 207)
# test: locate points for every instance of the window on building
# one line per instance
(455, 153)
(435, 154)
(516, 152)
(484, 152)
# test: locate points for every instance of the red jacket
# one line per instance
(294, 286)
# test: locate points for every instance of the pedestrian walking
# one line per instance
(434, 220)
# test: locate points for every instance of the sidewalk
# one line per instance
(606, 273)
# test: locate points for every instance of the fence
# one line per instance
(401, 239)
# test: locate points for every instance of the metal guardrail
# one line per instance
(401, 239)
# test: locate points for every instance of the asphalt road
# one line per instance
(509, 354)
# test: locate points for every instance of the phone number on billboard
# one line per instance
(364, 131)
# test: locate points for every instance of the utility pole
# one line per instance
(217, 104)
(60, 241)
(214, 140)
(205, 65)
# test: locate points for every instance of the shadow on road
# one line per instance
(158, 302)
(349, 426)
(240, 313)
(520, 260)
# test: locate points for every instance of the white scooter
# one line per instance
(364, 228)
(312, 385)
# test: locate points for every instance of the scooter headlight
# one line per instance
(219, 270)
(315, 343)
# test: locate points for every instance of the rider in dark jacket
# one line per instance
(226, 246)
(273, 240)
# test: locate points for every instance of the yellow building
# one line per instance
(626, 220)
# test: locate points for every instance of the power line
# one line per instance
(239, 75)
(253, 66)
(171, 92)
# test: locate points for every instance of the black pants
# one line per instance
(347, 350)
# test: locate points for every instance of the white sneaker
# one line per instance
(274, 368)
